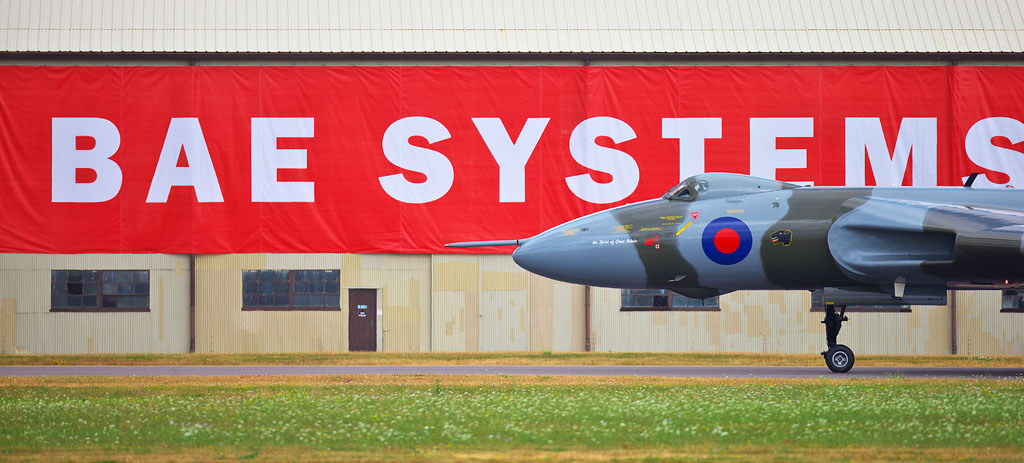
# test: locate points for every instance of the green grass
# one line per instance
(497, 358)
(302, 419)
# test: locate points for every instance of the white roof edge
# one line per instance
(519, 26)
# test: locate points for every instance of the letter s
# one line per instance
(622, 167)
(982, 152)
(433, 164)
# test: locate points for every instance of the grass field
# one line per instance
(500, 358)
(479, 418)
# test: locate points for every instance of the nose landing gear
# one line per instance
(838, 357)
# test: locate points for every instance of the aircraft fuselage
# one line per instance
(780, 239)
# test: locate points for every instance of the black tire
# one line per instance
(839, 358)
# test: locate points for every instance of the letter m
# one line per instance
(917, 134)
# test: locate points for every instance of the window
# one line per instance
(663, 300)
(817, 305)
(99, 291)
(291, 290)
(1013, 301)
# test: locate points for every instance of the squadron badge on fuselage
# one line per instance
(783, 237)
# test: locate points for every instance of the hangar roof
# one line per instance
(509, 27)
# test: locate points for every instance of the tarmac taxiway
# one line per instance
(540, 370)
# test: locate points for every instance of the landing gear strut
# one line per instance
(838, 357)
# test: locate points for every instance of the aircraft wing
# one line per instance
(879, 240)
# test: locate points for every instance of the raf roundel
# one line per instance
(726, 240)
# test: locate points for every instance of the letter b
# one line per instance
(67, 158)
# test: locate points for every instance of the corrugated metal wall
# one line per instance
(404, 296)
(982, 330)
(403, 300)
(524, 26)
(458, 303)
(28, 326)
(781, 322)
(504, 317)
(455, 303)
(488, 303)
(222, 326)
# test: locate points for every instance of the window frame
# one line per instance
(99, 292)
(291, 307)
(669, 308)
(882, 308)
(1020, 301)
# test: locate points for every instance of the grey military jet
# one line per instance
(715, 233)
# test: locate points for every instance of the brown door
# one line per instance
(362, 320)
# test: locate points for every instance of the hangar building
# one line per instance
(101, 275)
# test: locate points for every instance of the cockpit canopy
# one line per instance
(720, 185)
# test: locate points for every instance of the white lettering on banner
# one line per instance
(765, 157)
(621, 166)
(691, 132)
(401, 153)
(67, 158)
(511, 156)
(185, 133)
(864, 143)
(917, 134)
(267, 159)
(982, 152)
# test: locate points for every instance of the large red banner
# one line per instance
(404, 159)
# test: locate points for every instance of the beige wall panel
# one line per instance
(85, 333)
(93, 261)
(771, 321)
(556, 315)
(8, 325)
(455, 272)
(615, 331)
(292, 331)
(30, 289)
(231, 262)
(765, 321)
(543, 313)
(500, 272)
(504, 315)
(405, 301)
(504, 321)
(471, 316)
(455, 283)
(983, 330)
(222, 326)
(354, 277)
(420, 262)
(303, 261)
(448, 332)
(25, 280)
(896, 333)
(577, 322)
(219, 299)
(567, 317)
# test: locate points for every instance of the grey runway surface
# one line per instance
(543, 370)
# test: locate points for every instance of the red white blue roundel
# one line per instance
(726, 240)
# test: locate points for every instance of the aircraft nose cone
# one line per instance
(595, 256)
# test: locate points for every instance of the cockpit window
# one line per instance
(687, 191)
(680, 192)
(698, 187)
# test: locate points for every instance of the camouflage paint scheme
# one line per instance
(715, 233)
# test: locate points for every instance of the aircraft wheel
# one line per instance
(839, 358)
